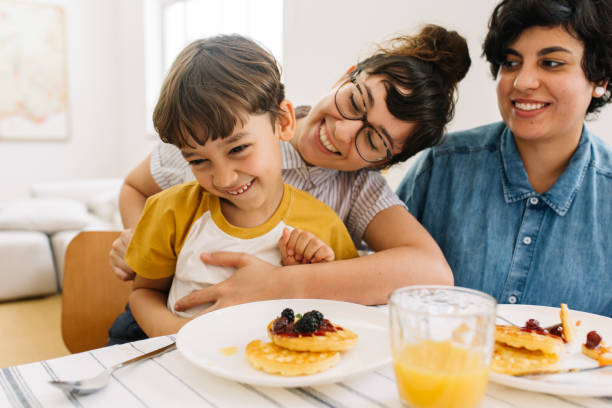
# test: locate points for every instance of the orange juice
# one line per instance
(433, 374)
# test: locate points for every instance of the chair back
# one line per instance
(92, 296)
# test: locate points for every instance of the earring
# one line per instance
(599, 91)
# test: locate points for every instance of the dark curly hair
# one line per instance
(421, 75)
(590, 21)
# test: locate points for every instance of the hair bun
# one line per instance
(446, 49)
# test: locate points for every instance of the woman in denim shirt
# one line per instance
(523, 209)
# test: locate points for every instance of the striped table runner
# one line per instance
(172, 381)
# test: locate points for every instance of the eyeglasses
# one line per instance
(351, 105)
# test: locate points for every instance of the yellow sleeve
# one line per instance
(162, 229)
(309, 214)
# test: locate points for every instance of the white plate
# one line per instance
(592, 384)
(202, 339)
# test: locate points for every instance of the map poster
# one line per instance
(33, 84)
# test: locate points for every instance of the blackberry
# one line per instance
(288, 313)
(307, 324)
(318, 316)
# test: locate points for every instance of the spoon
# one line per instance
(93, 384)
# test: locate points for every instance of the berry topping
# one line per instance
(311, 323)
(592, 339)
(307, 324)
(280, 325)
(288, 313)
(318, 316)
(533, 324)
(556, 330)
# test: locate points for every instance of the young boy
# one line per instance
(223, 106)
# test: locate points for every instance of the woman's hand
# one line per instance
(117, 256)
(300, 247)
(252, 280)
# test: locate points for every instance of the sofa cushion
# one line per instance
(26, 265)
(48, 215)
(80, 190)
(105, 206)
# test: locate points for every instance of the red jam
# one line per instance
(282, 327)
(533, 326)
(592, 339)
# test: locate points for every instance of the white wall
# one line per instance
(92, 109)
(322, 39)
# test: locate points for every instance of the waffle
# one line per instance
(340, 340)
(273, 359)
(569, 330)
(520, 361)
(530, 340)
(602, 354)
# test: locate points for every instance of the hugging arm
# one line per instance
(137, 186)
(148, 305)
(406, 255)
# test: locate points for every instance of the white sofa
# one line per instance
(35, 231)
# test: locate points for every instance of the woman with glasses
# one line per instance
(390, 106)
(522, 208)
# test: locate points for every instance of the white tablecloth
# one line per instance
(172, 381)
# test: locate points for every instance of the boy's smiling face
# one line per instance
(244, 170)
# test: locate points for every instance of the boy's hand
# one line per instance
(117, 255)
(301, 247)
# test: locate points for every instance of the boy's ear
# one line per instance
(286, 121)
(344, 76)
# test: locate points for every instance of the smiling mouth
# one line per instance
(325, 141)
(241, 189)
(527, 107)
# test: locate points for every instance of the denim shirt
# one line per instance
(501, 237)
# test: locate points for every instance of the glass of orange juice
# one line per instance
(441, 340)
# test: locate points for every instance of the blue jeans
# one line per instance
(125, 329)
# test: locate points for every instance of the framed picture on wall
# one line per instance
(33, 80)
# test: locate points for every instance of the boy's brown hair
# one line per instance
(213, 84)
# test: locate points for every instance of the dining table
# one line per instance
(171, 380)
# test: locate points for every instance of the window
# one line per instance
(172, 24)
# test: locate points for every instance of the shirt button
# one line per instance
(512, 299)
(534, 200)
(527, 240)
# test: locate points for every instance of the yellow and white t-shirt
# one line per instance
(180, 223)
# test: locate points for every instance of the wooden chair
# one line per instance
(92, 296)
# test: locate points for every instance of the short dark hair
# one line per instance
(590, 21)
(213, 84)
(421, 75)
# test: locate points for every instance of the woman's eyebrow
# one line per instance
(370, 99)
(550, 50)
(512, 51)
(388, 136)
(542, 52)
(369, 96)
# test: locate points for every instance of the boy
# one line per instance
(223, 106)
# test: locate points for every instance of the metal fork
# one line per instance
(93, 384)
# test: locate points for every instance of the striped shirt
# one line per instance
(357, 196)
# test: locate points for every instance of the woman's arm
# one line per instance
(148, 305)
(406, 255)
(137, 187)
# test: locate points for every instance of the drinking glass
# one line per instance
(441, 341)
